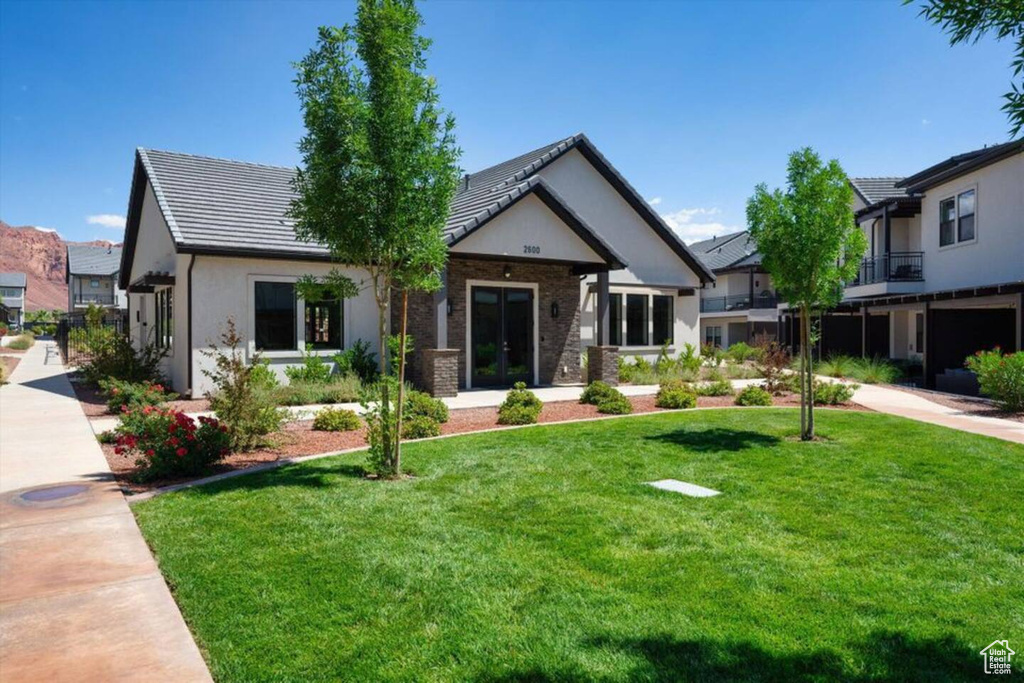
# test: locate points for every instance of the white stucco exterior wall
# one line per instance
(996, 256)
(223, 289)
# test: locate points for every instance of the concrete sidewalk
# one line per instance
(81, 597)
(914, 407)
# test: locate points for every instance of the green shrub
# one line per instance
(121, 395)
(420, 427)
(689, 358)
(1000, 376)
(169, 443)
(742, 352)
(336, 420)
(674, 396)
(112, 356)
(418, 403)
(247, 412)
(835, 366)
(314, 369)
(753, 396)
(22, 342)
(832, 393)
(876, 371)
(262, 377)
(357, 360)
(109, 436)
(719, 387)
(345, 389)
(520, 406)
(616, 404)
(597, 391)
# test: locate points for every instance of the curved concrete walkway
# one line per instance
(81, 597)
(914, 407)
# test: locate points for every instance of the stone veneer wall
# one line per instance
(603, 364)
(420, 324)
(559, 337)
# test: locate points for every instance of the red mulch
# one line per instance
(8, 349)
(95, 406)
(9, 364)
(299, 438)
(963, 404)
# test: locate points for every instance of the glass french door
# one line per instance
(501, 337)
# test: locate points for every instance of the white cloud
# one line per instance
(42, 229)
(692, 224)
(107, 220)
(654, 201)
(925, 122)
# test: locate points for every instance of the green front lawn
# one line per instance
(891, 550)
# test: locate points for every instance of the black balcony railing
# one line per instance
(100, 299)
(742, 302)
(896, 266)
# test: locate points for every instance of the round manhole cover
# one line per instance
(51, 493)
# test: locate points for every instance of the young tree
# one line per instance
(811, 245)
(969, 20)
(380, 169)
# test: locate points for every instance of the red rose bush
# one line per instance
(169, 443)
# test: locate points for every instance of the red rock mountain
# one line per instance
(40, 254)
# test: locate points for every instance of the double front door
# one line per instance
(501, 336)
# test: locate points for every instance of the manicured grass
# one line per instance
(889, 550)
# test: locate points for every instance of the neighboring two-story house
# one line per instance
(740, 305)
(12, 298)
(944, 273)
(91, 274)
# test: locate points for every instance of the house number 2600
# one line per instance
(531, 249)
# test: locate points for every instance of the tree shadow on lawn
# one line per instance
(882, 657)
(293, 475)
(716, 439)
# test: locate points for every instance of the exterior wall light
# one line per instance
(554, 309)
(507, 272)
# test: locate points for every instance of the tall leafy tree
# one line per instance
(379, 172)
(811, 245)
(969, 20)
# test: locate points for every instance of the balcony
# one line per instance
(98, 298)
(896, 266)
(742, 302)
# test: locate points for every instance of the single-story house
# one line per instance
(552, 255)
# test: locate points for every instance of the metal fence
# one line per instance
(76, 335)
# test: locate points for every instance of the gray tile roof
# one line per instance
(13, 280)
(726, 251)
(876, 189)
(219, 205)
(93, 260)
(960, 164)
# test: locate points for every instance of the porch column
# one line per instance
(887, 224)
(441, 312)
(441, 364)
(603, 318)
(864, 317)
(928, 366)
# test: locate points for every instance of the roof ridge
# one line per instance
(206, 157)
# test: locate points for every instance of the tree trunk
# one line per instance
(803, 367)
(810, 385)
(382, 291)
(401, 383)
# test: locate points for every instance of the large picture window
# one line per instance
(275, 316)
(324, 323)
(636, 319)
(615, 319)
(663, 319)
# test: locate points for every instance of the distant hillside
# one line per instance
(40, 254)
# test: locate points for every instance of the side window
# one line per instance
(947, 222)
(275, 316)
(965, 216)
(324, 324)
(615, 319)
(663, 320)
(636, 319)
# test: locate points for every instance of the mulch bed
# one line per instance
(299, 438)
(10, 362)
(8, 349)
(95, 406)
(971, 406)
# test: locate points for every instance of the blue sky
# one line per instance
(694, 102)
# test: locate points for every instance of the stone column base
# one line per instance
(603, 364)
(441, 372)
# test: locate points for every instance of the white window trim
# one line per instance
(955, 196)
(469, 323)
(300, 322)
